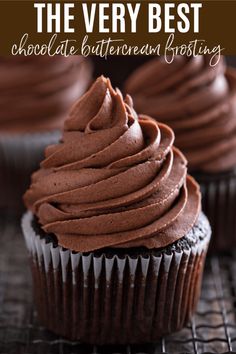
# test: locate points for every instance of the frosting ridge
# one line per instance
(115, 179)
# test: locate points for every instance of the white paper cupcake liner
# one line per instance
(219, 204)
(107, 298)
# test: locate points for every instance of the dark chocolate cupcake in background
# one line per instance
(199, 103)
(36, 93)
(115, 232)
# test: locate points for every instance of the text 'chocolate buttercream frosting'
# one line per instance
(37, 91)
(115, 179)
(197, 100)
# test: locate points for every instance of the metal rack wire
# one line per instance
(212, 329)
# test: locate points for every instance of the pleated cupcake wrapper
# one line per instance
(20, 155)
(103, 299)
(219, 204)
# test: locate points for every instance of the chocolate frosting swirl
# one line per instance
(197, 100)
(115, 179)
(36, 91)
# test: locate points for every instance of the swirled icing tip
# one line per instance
(98, 108)
(114, 180)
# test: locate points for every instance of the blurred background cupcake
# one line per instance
(199, 102)
(35, 93)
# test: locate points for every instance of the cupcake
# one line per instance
(36, 93)
(114, 228)
(198, 101)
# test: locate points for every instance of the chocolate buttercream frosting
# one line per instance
(37, 91)
(115, 180)
(197, 100)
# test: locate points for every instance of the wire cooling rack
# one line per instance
(212, 329)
